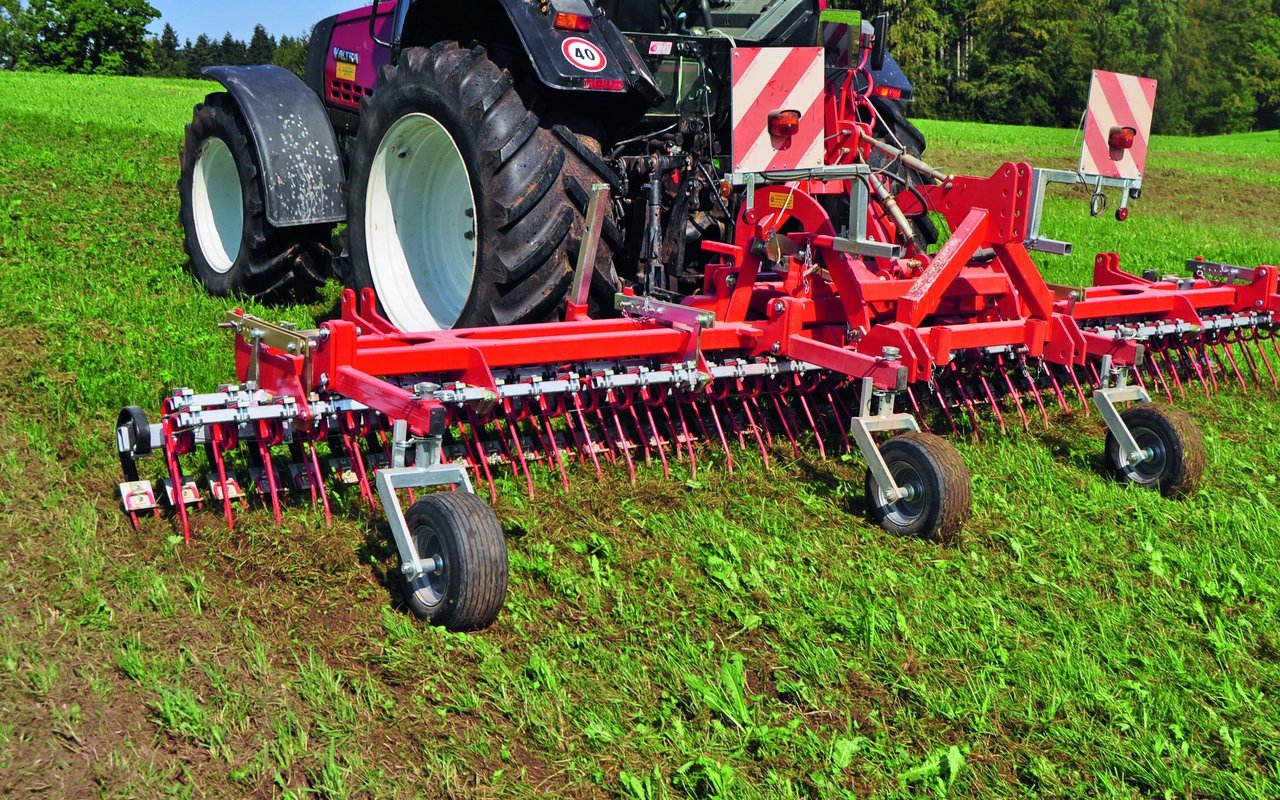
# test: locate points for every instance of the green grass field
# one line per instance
(745, 636)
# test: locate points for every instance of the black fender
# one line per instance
(301, 164)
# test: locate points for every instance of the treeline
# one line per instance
(1028, 61)
(1008, 61)
(109, 37)
(170, 60)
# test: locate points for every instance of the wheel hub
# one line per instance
(1154, 457)
(910, 506)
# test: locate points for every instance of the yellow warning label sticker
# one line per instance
(346, 72)
(782, 200)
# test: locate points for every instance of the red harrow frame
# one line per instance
(801, 333)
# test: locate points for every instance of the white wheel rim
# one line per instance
(217, 198)
(420, 229)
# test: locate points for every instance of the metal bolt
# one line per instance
(777, 348)
(779, 307)
(731, 281)
(890, 354)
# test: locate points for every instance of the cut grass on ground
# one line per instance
(745, 635)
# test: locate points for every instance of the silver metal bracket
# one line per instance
(1116, 389)
(1040, 180)
(858, 243)
(660, 311)
(590, 247)
(428, 472)
(882, 419)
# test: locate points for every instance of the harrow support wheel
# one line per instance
(932, 471)
(467, 590)
(1175, 444)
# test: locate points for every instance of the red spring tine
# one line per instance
(841, 414)
(946, 408)
(762, 421)
(586, 434)
(612, 448)
(1057, 390)
(482, 454)
(813, 425)
(995, 406)
(755, 430)
(1226, 348)
(694, 408)
(647, 398)
(563, 412)
(318, 482)
(777, 407)
(1173, 371)
(175, 477)
(675, 434)
(657, 435)
(1013, 392)
(1159, 376)
(915, 409)
(968, 403)
(721, 394)
(1035, 391)
(644, 440)
(555, 448)
(1075, 381)
(1093, 373)
(688, 438)
(1248, 358)
(133, 520)
(1262, 353)
(1208, 367)
(215, 447)
(357, 460)
(624, 445)
(1193, 368)
(265, 450)
(514, 430)
(715, 416)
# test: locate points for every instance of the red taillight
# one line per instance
(604, 84)
(889, 92)
(572, 22)
(1122, 138)
(784, 124)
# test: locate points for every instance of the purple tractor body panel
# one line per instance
(351, 67)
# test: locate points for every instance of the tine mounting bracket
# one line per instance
(882, 418)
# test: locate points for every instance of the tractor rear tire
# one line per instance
(464, 536)
(232, 249)
(464, 208)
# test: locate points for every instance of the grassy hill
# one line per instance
(744, 636)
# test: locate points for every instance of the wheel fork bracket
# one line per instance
(427, 472)
(1116, 389)
(882, 419)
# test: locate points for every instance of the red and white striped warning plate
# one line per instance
(1117, 101)
(770, 79)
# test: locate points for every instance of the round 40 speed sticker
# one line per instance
(583, 54)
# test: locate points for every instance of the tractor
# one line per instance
(458, 143)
